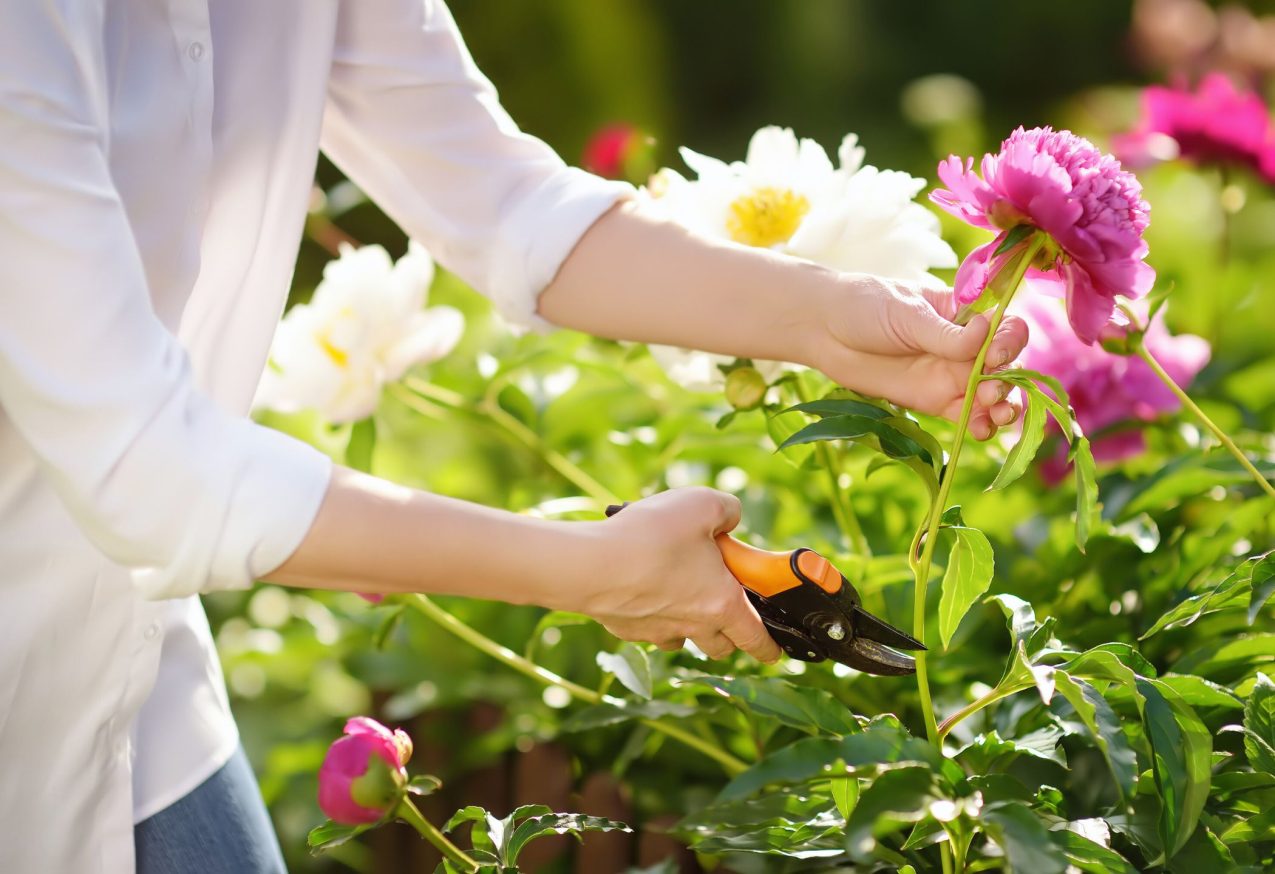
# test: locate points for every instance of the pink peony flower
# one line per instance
(1215, 124)
(362, 775)
(371, 597)
(1107, 389)
(1058, 183)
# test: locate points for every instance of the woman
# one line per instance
(155, 164)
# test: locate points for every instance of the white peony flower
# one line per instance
(787, 196)
(364, 327)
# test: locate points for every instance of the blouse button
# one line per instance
(151, 631)
(196, 51)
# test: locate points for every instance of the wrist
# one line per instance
(576, 555)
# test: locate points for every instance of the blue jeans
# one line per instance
(219, 828)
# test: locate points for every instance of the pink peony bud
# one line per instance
(371, 597)
(362, 776)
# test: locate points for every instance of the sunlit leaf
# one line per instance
(969, 572)
(538, 826)
(1090, 856)
(602, 715)
(1081, 457)
(803, 707)
(1181, 746)
(631, 667)
(845, 794)
(1024, 451)
(1259, 721)
(358, 452)
(1234, 592)
(1104, 727)
(333, 834)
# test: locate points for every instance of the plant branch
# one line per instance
(497, 415)
(508, 657)
(945, 486)
(978, 704)
(407, 811)
(1145, 354)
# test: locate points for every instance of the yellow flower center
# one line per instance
(339, 356)
(766, 217)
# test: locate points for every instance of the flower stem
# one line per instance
(498, 416)
(481, 642)
(407, 811)
(945, 488)
(974, 706)
(1145, 354)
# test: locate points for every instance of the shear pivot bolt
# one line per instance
(837, 631)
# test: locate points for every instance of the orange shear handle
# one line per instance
(769, 573)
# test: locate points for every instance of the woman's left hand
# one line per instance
(896, 340)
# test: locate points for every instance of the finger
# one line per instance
(990, 393)
(1005, 413)
(744, 629)
(715, 645)
(1009, 342)
(981, 426)
(930, 332)
(720, 508)
(673, 644)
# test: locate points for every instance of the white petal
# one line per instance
(689, 368)
(428, 336)
(850, 154)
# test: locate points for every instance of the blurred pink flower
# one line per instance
(1107, 389)
(362, 775)
(372, 597)
(1061, 184)
(1216, 123)
(613, 150)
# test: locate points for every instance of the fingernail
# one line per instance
(1002, 358)
(1002, 391)
(1003, 416)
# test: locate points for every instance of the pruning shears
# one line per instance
(812, 611)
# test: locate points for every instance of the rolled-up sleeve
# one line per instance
(412, 120)
(189, 497)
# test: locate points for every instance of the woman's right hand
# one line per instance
(660, 577)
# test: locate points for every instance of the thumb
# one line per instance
(936, 335)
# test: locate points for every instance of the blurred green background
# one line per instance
(916, 80)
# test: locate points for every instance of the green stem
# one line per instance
(842, 510)
(974, 706)
(407, 811)
(508, 657)
(491, 410)
(1141, 348)
(945, 486)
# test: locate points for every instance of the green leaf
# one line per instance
(834, 406)
(424, 784)
(1104, 727)
(1088, 855)
(1013, 237)
(555, 824)
(772, 809)
(990, 753)
(1019, 615)
(1025, 840)
(614, 713)
(1181, 749)
(1259, 827)
(333, 834)
(1262, 585)
(882, 742)
(804, 707)
(1228, 659)
(969, 571)
(358, 452)
(783, 425)
(893, 442)
(1024, 451)
(845, 794)
(1233, 592)
(897, 798)
(1081, 457)
(631, 667)
(553, 619)
(1259, 722)
(1200, 693)
(386, 626)
(1188, 477)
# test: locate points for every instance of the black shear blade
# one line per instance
(873, 658)
(868, 626)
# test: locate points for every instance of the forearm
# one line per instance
(377, 537)
(636, 277)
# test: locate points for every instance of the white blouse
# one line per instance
(156, 159)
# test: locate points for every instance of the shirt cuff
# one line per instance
(541, 232)
(276, 489)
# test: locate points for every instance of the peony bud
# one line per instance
(362, 776)
(620, 151)
(745, 388)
